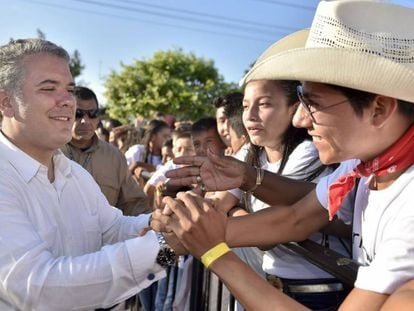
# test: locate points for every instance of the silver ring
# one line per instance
(203, 187)
(199, 180)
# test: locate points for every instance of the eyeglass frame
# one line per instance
(91, 113)
(306, 106)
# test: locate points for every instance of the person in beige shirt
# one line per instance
(102, 160)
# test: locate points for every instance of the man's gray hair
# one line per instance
(12, 55)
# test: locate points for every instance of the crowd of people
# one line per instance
(318, 145)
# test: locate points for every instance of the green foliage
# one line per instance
(171, 82)
(75, 64)
(40, 34)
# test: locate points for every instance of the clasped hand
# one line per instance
(191, 220)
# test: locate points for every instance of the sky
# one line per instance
(233, 33)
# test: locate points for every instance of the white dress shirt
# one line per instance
(62, 246)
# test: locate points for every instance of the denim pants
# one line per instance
(161, 294)
(147, 297)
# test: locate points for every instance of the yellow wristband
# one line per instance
(214, 253)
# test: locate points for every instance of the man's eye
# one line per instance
(311, 104)
(264, 104)
(47, 89)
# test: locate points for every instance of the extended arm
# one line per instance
(200, 227)
(279, 224)
(224, 173)
(44, 266)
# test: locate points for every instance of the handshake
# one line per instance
(190, 224)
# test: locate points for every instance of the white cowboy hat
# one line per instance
(292, 41)
(364, 45)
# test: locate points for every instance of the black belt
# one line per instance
(284, 285)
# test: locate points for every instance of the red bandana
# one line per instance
(398, 157)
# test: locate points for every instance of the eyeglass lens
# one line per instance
(92, 113)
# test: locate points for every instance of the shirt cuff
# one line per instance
(142, 253)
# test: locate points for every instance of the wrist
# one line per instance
(249, 177)
(254, 179)
(214, 266)
(166, 255)
(214, 253)
(149, 220)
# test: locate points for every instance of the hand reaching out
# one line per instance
(197, 224)
(217, 172)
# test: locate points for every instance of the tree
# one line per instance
(75, 64)
(170, 82)
(40, 34)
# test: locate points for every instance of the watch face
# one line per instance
(166, 255)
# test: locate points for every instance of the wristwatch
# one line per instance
(166, 255)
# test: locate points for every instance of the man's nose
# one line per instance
(301, 118)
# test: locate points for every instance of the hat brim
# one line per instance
(348, 68)
(292, 41)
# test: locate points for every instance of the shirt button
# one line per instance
(151, 276)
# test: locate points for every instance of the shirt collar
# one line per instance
(24, 164)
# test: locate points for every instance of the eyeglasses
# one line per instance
(308, 106)
(92, 113)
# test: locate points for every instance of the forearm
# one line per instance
(359, 299)
(402, 299)
(276, 189)
(249, 288)
(39, 281)
(149, 190)
(279, 224)
(145, 166)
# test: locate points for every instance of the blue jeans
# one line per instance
(161, 294)
(172, 283)
(147, 297)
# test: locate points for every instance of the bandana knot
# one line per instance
(398, 157)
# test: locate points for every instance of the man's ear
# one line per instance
(383, 108)
(6, 107)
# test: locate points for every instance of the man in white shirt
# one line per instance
(62, 246)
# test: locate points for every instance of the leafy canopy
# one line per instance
(171, 82)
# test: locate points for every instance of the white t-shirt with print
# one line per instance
(385, 221)
(279, 261)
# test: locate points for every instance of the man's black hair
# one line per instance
(203, 125)
(85, 93)
(230, 99)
